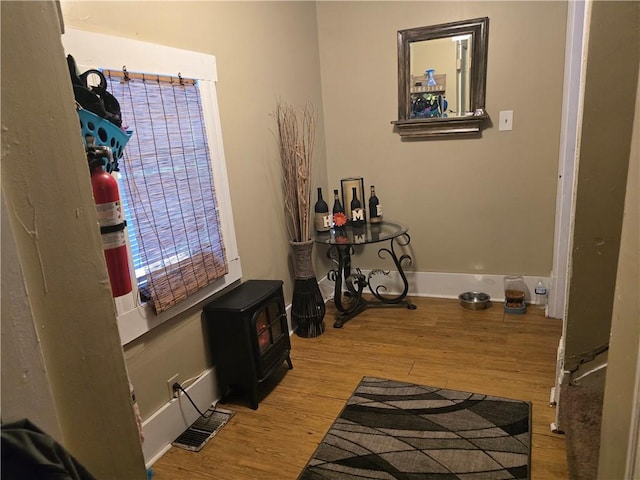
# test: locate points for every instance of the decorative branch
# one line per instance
(296, 136)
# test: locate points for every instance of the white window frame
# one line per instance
(95, 50)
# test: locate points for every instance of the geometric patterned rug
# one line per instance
(397, 430)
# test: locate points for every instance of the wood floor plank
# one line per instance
(438, 344)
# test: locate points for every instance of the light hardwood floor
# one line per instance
(439, 344)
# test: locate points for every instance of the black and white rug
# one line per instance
(397, 430)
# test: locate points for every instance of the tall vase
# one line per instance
(307, 305)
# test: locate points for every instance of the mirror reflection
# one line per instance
(440, 77)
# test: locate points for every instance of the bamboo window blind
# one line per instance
(169, 194)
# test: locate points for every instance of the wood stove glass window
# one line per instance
(274, 315)
(268, 326)
(263, 330)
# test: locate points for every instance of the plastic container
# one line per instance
(104, 132)
(541, 295)
(514, 294)
(516, 310)
(431, 82)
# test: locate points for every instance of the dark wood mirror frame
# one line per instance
(463, 125)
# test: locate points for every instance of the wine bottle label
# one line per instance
(377, 216)
(357, 215)
(541, 290)
(323, 222)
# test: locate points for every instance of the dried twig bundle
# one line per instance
(296, 136)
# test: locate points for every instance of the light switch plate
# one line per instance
(506, 120)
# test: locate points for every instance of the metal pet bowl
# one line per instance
(474, 300)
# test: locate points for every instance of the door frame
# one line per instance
(572, 107)
(578, 14)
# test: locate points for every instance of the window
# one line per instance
(167, 187)
(199, 103)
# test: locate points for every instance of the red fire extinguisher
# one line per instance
(111, 220)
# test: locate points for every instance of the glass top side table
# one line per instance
(341, 242)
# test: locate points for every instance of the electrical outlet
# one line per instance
(170, 383)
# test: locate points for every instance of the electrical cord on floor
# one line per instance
(210, 411)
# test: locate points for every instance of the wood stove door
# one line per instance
(273, 341)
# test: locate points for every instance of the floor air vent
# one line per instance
(197, 435)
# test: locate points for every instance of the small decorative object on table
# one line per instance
(296, 132)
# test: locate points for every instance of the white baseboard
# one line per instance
(447, 285)
(166, 424)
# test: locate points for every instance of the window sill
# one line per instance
(135, 321)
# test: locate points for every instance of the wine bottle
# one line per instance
(337, 206)
(322, 217)
(375, 209)
(357, 213)
(338, 218)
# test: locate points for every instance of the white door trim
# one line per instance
(569, 149)
(573, 94)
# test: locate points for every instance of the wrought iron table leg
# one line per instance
(356, 303)
(402, 240)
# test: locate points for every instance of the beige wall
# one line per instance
(474, 205)
(264, 52)
(479, 205)
(456, 195)
(50, 210)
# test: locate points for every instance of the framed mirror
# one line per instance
(442, 72)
